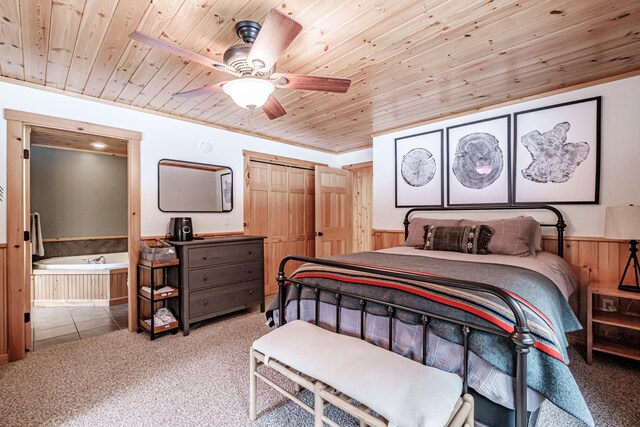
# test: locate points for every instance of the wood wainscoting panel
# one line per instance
(593, 259)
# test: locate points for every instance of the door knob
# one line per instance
(319, 233)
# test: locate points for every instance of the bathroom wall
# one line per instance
(78, 194)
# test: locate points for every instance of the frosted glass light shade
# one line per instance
(249, 92)
(622, 222)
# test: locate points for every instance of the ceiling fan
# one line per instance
(253, 63)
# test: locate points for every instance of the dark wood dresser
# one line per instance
(218, 276)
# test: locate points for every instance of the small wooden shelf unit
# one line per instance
(147, 278)
(621, 320)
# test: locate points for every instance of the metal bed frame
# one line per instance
(521, 336)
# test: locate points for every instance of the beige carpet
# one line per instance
(124, 379)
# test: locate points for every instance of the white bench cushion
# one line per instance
(403, 391)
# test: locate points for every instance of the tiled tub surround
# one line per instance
(57, 325)
(82, 247)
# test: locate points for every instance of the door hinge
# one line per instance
(27, 236)
(25, 154)
(27, 317)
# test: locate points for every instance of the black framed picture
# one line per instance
(478, 162)
(557, 153)
(419, 170)
(226, 192)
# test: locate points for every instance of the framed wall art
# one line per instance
(419, 170)
(226, 191)
(478, 162)
(557, 153)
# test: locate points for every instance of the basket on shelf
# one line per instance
(157, 250)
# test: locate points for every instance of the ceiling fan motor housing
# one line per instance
(236, 57)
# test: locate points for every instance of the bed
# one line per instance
(498, 320)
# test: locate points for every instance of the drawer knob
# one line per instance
(250, 252)
(205, 302)
(251, 292)
(204, 278)
(251, 270)
(204, 257)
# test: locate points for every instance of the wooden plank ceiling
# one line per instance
(67, 140)
(410, 61)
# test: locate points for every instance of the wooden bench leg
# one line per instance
(318, 405)
(470, 421)
(252, 385)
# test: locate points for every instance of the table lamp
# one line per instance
(623, 222)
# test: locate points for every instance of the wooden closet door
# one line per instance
(333, 211)
(257, 219)
(310, 213)
(281, 208)
(297, 237)
(278, 214)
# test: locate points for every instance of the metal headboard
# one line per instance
(560, 225)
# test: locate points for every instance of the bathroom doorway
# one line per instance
(78, 197)
(21, 129)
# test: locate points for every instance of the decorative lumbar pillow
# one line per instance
(471, 239)
(512, 236)
(416, 229)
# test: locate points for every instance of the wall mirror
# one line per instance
(194, 187)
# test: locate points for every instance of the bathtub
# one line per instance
(71, 280)
(114, 261)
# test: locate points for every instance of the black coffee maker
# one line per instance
(181, 229)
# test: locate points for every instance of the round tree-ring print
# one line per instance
(478, 160)
(418, 167)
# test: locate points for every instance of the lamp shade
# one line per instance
(249, 92)
(622, 222)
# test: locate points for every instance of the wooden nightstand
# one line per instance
(621, 320)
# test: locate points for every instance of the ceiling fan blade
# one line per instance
(176, 50)
(207, 90)
(277, 33)
(322, 84)
(272, 108)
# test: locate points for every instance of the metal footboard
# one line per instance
(521, 336)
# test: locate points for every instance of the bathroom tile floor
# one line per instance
(57, 325)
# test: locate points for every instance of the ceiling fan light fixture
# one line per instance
(249, 92)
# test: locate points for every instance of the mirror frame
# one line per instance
(196, 164)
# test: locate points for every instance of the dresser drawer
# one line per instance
(225, 274)
(222, 254)
(213, 300)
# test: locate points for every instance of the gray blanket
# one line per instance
(547, 375)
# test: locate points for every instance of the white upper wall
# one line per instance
(620, 156)
(162, 137)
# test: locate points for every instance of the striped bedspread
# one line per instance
(548, 315)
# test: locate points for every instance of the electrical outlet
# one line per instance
(608, 305)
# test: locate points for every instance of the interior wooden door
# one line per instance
(333, 211)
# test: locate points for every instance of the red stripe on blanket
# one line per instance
(456, 304)
(532, 307)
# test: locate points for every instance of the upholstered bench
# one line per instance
(340, 369)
